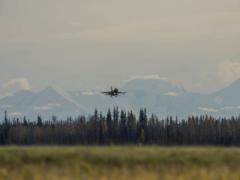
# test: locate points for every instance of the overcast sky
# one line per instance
(91, 44)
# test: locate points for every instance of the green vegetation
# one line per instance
(119, 163)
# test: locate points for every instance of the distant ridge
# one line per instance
(159, 96)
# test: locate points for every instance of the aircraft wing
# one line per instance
(105, 92)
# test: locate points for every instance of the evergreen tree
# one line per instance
(98, 129)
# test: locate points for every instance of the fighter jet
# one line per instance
(113, 92)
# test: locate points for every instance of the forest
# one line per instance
(119, 127)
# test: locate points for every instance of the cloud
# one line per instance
(15, 85)
(46, 107)
(16, 114)
(173, 94)
(229, 108)
(205, 109)
(89, 93)
(229, 71)
(167, 28)
(148, 77)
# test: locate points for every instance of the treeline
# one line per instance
(120, 127)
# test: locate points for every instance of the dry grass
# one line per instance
(170, 163)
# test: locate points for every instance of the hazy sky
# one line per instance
(91, 44)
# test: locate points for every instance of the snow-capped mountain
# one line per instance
(225, 102)
(158, 96)
(46, 103)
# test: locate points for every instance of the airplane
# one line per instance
(113, 92)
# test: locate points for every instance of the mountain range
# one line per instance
(159, 96)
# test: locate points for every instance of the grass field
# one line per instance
(115, 162)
